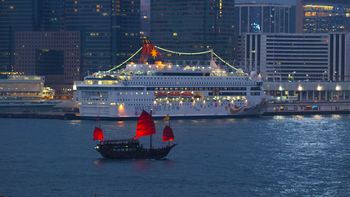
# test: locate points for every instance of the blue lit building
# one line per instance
(264, 18)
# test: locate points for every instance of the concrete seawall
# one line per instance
(306, 108)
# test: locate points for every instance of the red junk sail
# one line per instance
(98, 134)
(145, 125)
(168, 134)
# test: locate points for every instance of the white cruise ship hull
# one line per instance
(178, 93)
(131, 106)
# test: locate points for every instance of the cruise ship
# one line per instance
(167, 89)
(24, 93)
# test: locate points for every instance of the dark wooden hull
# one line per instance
(109, 151)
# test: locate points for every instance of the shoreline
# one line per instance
(73, 116)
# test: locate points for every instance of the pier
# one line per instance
(306, 108)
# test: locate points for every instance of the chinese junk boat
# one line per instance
(131, 148)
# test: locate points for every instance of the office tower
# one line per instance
(145, 17)
(15, 15)
(193, 25)
(49, 15)
(264, 18)
(55, 55)
(93, 20)
(324, 16)
(110, 31)
(314, 57)
(126, 27)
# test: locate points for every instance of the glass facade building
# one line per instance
(264, 18)
(93, 20)
(145, 17)
(49, 15)
(126, 27)
(15, 15)
(192, 26)
(110, 30)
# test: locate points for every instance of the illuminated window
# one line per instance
(94, 34)
(98, 8)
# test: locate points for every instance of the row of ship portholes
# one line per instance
(191, 78)
(198, 107)
(191, 83)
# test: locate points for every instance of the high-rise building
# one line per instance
(93, 19)
(324, 16)
(126, 28)
(110, 30)
(15, 15)
(145, 17)
(313, 57)
(264, 18)
(55, 55)
(49, 15)
(193, 25)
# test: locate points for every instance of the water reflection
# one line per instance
(308, 149)
(318, 117)
(74, 122)
(279, 156)
(298, 117)
(279, 118)
(138, 164)
(336, 116)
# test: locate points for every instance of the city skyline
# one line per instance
(174, 98)
(110, 31)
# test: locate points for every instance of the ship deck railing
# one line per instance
(118, 141)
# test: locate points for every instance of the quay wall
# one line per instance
(271, 109)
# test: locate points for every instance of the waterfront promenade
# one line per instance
(302, 108)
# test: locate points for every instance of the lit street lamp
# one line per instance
(324, 74)
(294, 75)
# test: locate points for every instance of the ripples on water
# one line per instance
(277, 156)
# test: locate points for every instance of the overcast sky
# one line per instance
(267, 1)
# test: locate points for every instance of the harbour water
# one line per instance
(268, 156)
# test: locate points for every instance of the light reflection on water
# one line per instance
(268, 156)
(312, 155)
